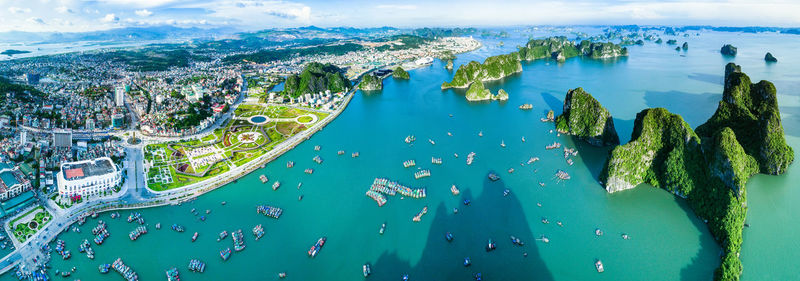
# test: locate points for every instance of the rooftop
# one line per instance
(89, 168)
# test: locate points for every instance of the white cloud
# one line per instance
(18, 10)
(397, 7)
(143, 13)
(64, 10)
(110, 18)
(36, 20)
(139, 3)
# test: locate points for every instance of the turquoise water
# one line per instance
(667, 241)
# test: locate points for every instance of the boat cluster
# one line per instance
(137, 232)
(137, 217)
(381, 187)
(435, 160)
(422, 174)
(100, 232)
(172, 274)
(470, 158)
(60, 249)
(409, 163)
(86, 247)
(124, 270)
(318, 159)
(196, 265)
(238, 240)
(272, 212)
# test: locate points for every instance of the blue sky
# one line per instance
(87, 15)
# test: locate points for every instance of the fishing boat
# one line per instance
(526, 106)
(225, 254)
(309, 171)
(238, 240)
(276, 185)
(197, 266)
(544, 239)
(124, 270)
(317, 247)
(103, 268)
(455, 155)
(517, 241)
(454, 190)
(172, 274)
(354, 155)
(490, 246)
(598, 232)
(493, 177)
(545, 221)
(480, 134)
(506, 192)
(532, 159)
(418, 217)
(178, 228)
(289, 164)
(554, 145)
(410, 139)
(366, 270)
(133, 235)
(409, 163)
(449, 134)
(437, 161)
(431, 141)
(510, 170)
(222, 235)
(258, 231)
(194, 237)
(317, 159)
(422, 174)
(470, 158)
(317, 148)
(503, 143)
(269, 211)
(523, 139)
(383, 228)
(467, 262)
(158, 226)
(599, 265)
(448, 236)
(282, 275)
(263, 178)
(562, 175)
(340, 152)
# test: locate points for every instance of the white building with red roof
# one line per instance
(88, 177)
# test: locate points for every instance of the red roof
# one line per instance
(74, 173)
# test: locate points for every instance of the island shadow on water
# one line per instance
(490, 215)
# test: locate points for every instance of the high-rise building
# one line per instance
(62, 138)
(32, 78)
(90, 124)
(117, 121)
(119, 96)
(23, 137)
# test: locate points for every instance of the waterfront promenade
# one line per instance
(135, 194)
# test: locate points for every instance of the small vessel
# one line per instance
(598, 232)
(510, 170)
(448, 236)
(506, 192)
(177, 228)
(225, 254)
(516, 241)
(478, 276)
(410, 139)
(467, 262)
(545, 221)
(455, 155)
(172, 274)
(523, 139)
(194, 237)
(158, 226)
(289, 164)
(222, 235)
(282, 274)
(263, 178)
(480, 134)
(276, 185)
(103, 268)
(340, 152)
(418, 217)
(491, 246)
(309, 171)
(470, 158)
(454, 190)
(354, 154)
(449, 134)
(366, 270)
(526, 106)
(502, 143)
(493, 177)
(560, 224)
(599, 265)
(258, 231)
(544, 239)
(405, 277)
(317, 148)
(431, 141)
(317, 247)
(383, 228)
(317, 159)
(625, 236)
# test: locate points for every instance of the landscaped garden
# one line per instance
(27, 224)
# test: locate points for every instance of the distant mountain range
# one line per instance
(154, 33)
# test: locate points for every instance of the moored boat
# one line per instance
(317, 247)
(225, 254)
(366, 270)
(194, 237)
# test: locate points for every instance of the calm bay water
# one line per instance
(667, 241)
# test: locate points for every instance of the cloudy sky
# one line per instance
(87, 15)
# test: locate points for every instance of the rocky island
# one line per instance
(770, 58)
(315, 78)
(11, 52)
(493, 68)
(400, 73)
(584, 118)
(477, 92)
(710, 166)
(560, 48)
(370, 82)
(728, 50)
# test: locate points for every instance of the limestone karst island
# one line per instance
(424, 140)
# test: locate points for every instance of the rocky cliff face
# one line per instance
(770, 58)
(477, 92)
(493, 68)
(751, 111)
(584, 117)
(400, 73)
(370, 83)
(501, 95)
(709, 168)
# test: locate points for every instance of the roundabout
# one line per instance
(306, 119)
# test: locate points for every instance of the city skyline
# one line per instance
(80, 16)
